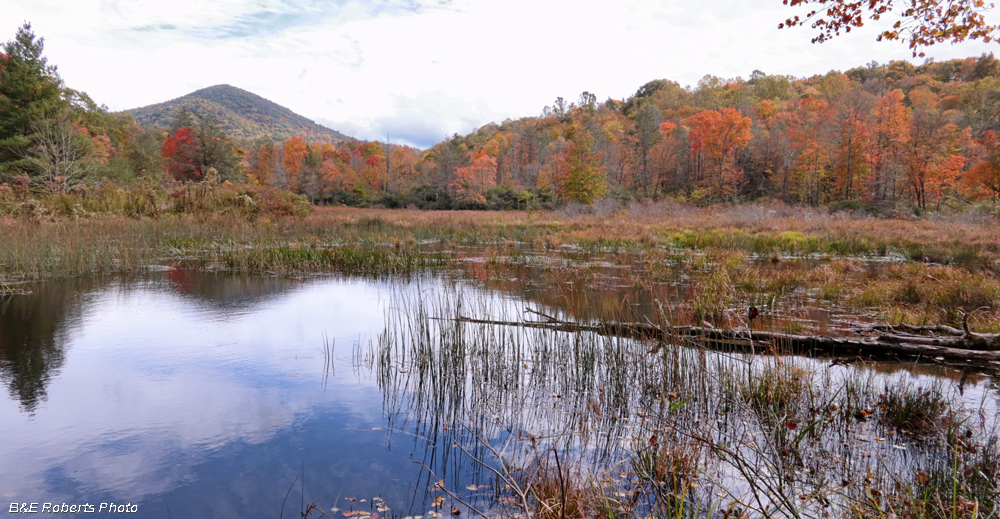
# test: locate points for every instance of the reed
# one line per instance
(583, 425)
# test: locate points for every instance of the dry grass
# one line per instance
(881, 269)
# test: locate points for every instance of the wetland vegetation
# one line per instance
(578, 424)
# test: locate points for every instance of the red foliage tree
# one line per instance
(181, 155)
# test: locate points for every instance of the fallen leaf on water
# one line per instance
(471, 487)
(438, 501)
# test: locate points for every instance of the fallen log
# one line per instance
(880, 341)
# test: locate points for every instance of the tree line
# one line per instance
(876, 136)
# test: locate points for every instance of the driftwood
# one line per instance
(939, 343)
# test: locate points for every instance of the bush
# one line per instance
(845, 205)
(430, 197)
(502, 198)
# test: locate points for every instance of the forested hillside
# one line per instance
(875, 136)
(241, 115)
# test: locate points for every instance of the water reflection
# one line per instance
(204, 391)
(32, 337)
(226, 292)
(195, 390)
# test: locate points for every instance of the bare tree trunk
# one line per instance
(933, 342)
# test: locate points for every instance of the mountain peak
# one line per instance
(242, 114)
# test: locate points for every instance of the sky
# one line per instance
(418, 71)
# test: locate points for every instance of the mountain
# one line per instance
(241, 114)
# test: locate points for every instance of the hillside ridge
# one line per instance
(242, 115)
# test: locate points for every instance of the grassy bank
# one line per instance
(929, 270)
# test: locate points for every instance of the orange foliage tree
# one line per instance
(889, 138)
(808, 132)
(933, 159)
(262, 170)
(295, 151)
(983, 178)
(719, 134)
(472, 181)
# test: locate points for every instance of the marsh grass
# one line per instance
(731, 265)
(582, 425)
(917, 412)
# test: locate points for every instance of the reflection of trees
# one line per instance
(33, 327)
(225, 290)
(31, 346)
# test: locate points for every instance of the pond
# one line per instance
(205, 394)
(189, 392)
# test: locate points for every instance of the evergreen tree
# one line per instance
(217, 150)
(30, 91)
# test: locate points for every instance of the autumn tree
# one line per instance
(933, 159)
(334, 174)
(182, 155)
(647, 135)
(368, 161)
(471, 182)
(920, 23)
(262, 170)
(293, 162)
(581, 176)
(984, 175)
(851, 159)
(402, 168)
(665, 157)
(889, 137)
(719, 134)
(808, 130)
(616, 145)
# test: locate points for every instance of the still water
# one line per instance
(193, 393)
(199, 394)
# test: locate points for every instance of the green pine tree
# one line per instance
(30, 91)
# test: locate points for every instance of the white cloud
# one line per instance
(384, 67)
